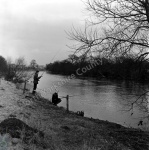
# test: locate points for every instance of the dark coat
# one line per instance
(36, 78)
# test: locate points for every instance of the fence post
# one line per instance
(67, 102)
(24, 87)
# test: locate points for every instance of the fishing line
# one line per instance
(53, 58)
(69, 96)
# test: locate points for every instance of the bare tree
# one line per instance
(17, 71)
(33, 64)
(126, 27)
(73, 58)
(115, 28)
(3, 65)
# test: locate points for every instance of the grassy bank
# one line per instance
(64, 130)
(70, 131)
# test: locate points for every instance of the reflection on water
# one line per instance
(104, 99)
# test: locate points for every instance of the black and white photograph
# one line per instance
(74, 74)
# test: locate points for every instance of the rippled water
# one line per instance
(102, 99)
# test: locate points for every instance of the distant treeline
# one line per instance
(17, 71)
(125, 68)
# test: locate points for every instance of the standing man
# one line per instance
(36, 79)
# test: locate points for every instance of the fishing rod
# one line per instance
(51, 60)
(42, 73)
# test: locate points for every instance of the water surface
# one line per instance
(102, 99)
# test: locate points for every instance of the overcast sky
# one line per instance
(35, 29)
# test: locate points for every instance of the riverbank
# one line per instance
(64, 130)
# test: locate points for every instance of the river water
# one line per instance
(100, 99)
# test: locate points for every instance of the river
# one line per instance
(99, 99)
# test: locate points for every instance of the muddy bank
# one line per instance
(63, 130)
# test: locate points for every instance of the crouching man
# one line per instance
(55, 99)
